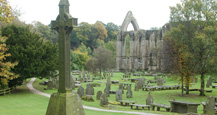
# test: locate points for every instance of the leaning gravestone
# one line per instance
(98, 95)
(81, 91)
(209, 82)
(210, 106)
(149, 99)
(66, 101)
(118, 95)
(103, 100)
(129, 92)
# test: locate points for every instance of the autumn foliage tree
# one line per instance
(194, 26)
(6, 74)
(5, 66)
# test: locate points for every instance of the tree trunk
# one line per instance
(182, 85)
(187, 89)
(202, 85)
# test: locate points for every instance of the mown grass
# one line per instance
(22, 102)
(140, 96)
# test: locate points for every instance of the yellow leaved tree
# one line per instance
(6, 74)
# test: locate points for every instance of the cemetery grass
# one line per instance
(22, 102)
(161, 97)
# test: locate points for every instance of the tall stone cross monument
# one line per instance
(65, 101)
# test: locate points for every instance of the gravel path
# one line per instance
(35, 91)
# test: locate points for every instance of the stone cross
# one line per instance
(64, 25)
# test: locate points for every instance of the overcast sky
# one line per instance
(149, 13)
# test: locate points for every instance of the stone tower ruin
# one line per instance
(146, 47)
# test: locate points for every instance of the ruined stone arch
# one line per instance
(129, 19)
(143, 47)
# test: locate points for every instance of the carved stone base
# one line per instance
(65, 104)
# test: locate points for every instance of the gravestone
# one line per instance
(164, 80)
(210, 106)
(149, 99)
(103, 100)
(118, 95)
(50, 85)
(89, 90)
(155, 77)
(65, 101)
(83, 73)
(159, 82)
(129, 92)
(121, 87)
(88, 76)
(80, 91)
(106, 90)
(72, 79)
(136, 86)
(209, 82)
(112, 73)
(98, 95)
(141, 82)
(57, 82)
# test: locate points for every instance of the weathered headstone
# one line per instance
(210, 106)
(50, 85)
(106, 90)
(137, 86)
(88, 76)
(149, 99)
(103, 100)
(83, 73)
(118, 95)
(112, 73)
(72, 79)
(66, 101)
(98, 95)
(121, 87)
(81, 91)
(141, 82)
(129, 92)
(159, 82)
(89, 90)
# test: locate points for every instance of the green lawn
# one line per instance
(140, 96)
(22, 102)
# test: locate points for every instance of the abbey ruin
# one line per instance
(145, 47)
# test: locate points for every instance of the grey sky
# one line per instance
(149, 13)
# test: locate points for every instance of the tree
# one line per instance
(6, 74)
(6, 14)
(36, 57)
(99, 30)
(78, 59)
(197, 21)
(112, 32)
(104, 59)
(5, 67)
(44, 31)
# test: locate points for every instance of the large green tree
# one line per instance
(195, 22)
(36, 57)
